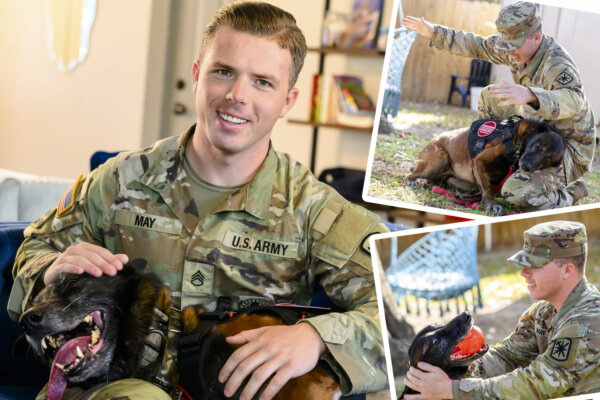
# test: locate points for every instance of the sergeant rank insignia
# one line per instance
(564, 78)
(198, 279)
(560, 351)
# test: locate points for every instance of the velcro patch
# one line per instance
(67, 200)
(149, 222)
(526, 315)
(560, 350)
(236, 240)
(366, 243)
(564, 78)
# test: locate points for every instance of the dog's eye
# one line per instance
(435, 341)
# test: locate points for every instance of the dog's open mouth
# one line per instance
(71, 351)
(470, 347)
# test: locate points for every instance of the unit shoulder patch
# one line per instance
(560, 350)
(564, 78)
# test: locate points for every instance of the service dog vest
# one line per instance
(484, 131)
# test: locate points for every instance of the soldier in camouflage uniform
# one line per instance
(555, 349)
(547, 87)
(223, 218)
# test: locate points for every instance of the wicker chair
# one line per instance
(402, 40)
(440, 266)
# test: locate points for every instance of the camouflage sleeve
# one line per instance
(517, 350)
(45, 239)
(564, 97)
(342, 265)
(467, 44)
(570, 359)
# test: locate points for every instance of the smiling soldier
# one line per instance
(555, 349)
(547, 87)
(226, 221)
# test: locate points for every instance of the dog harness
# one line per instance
(484, 131)
(194, 348)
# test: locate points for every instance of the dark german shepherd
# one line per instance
(92, 330)
(446, 159)
(437, 345)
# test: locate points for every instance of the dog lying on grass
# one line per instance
(91, 330)
(446, 159)
(445, 346)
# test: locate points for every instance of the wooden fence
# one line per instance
(506, 235)
(426, 76)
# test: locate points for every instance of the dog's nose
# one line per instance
(31, 320)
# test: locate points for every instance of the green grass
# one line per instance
(395, 154)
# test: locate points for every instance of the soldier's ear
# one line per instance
(570, 270)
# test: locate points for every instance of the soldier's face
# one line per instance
(525, 53)
(241, 88)
(544, 283)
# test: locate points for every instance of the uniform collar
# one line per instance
(572, 300)
(531, 68)
(254, 197)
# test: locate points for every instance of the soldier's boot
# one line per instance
(578, 190)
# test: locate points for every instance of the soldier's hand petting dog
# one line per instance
(512, 93)
(431, 381)
(418, 25)
(85, 257)
(281, 351)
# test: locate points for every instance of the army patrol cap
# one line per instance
(515, 23)
(548, 241)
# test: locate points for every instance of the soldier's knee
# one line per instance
(130, 389)
(521, 193)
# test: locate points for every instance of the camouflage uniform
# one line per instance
(550, 353)
(553, 78)
(281, 237)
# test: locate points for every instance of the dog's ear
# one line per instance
(138, 264)
(523, 128)
(560, 146)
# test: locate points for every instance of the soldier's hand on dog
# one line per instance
(285, 351)
(418, 25)
(431, 381)
(513, 93)
(85, 257)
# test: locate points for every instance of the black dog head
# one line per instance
(437, 345)
(540, 146)
(91, 329)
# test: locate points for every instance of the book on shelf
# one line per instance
(341, 99)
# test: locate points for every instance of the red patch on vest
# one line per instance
(487, 128)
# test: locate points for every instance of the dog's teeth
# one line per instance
(95, 335)
(88, 319)
(44, 345)
(61, 366)
(79, 352)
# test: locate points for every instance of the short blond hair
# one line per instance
(261, 19)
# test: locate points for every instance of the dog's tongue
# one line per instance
(66, 354)
(471, 344)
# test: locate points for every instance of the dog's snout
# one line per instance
(465, 316)
(31, 320)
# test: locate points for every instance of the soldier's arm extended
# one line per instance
(342, 266)
(570, 359)
(563, 98)
(46, 239)
(519, 349)
(467, 44)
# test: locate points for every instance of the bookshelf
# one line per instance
(323, 52)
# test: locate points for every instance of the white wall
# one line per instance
(51, 121)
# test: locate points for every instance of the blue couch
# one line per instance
(20, 378)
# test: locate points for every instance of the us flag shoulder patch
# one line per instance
(67, 200)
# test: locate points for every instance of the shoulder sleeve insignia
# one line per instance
(527, 314)
(560, 350)
(564, 78)
(68, 198)
(365, 244)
